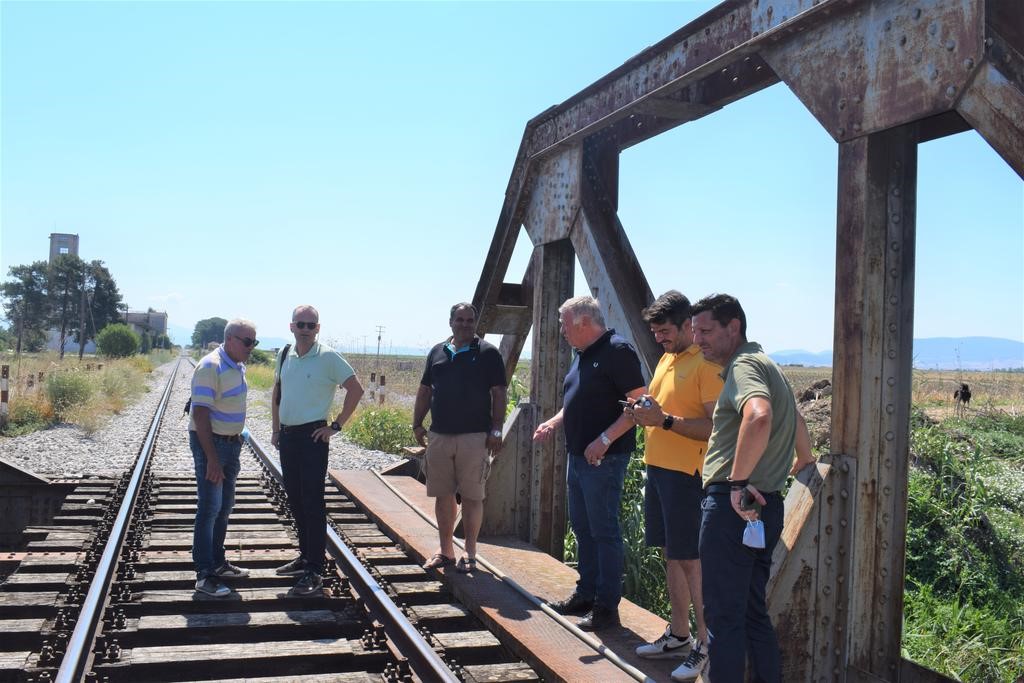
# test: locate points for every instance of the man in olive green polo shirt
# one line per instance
(304, 385)
(757, 430)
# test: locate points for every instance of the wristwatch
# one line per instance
(496, 433)
(667, 422)
(605, 440)
(335, 426)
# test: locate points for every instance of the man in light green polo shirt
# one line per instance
(304, 385)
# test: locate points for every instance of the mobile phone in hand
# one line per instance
(748, 502)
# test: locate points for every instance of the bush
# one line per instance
(258, 357)
(28, 414)
(66, 390)
(117, 341)
(381, 429)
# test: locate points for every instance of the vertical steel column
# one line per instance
(556, 263)
(871, 403)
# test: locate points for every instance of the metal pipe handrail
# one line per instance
(598, 646)
(425, 662)
(77, 653)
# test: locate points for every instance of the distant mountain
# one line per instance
(935, 353)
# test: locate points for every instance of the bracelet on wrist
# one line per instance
(739, 483)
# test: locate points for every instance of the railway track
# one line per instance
(106, 593)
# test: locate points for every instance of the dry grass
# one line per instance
(113, 385)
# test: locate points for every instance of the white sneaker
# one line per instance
(666, 647)
(693, 665)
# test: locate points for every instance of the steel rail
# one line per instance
(598, 646)
(76, 655)
(425, 662)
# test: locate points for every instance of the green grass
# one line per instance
(964, 593)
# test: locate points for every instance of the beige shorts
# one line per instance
(457, 463)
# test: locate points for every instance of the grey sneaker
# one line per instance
(309, 583)
(666, 647)
(211, 586)
(296, 567)
(230, 571)
(693, 665)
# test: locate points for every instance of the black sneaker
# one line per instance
(211, 586)
(574, 604)
(599, 618)
(309, 583)
(230, 571)
(296, 567)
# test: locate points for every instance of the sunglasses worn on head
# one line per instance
(305, 326)
(248, 341)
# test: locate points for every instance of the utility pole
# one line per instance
(380, 334)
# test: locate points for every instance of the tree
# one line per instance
(65, 282)
(208, 330)
(117, 341)
(103, 303)
(27, 305)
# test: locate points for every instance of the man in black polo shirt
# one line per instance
(463, 387)
(599, 439)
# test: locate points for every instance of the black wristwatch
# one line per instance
(668, 422)
(335, 426)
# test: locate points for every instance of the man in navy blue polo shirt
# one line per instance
(599, 440)
(463, 388)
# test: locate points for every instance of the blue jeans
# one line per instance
(214, 503)
(734, 579)
(594, 493)
(304, 467)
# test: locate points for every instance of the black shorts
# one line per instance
(672, 512)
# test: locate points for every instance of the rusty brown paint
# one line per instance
(995, 108)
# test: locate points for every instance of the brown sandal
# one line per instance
(438, 561)
(466, 565)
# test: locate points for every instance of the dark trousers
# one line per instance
(304, 467)
(734, 579)
(594, 493)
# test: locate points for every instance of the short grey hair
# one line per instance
(583, 306)
(237, 325)
(305, 307)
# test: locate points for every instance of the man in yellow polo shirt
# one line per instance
(677, 418)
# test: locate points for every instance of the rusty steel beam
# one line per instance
(871, 375)
(551, 355)
(882, 63)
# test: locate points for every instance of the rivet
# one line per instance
(842, 103)
(842, 523)
(827, 590)
(828, 529)
(895, 192)
(893, 300)
(892, 326)
(894, 245)
(856, 99)
(893, 272)
(845, 467)
(828, 560)
(842, 130)
(842, 75)
(892, 352)
(950, 44)
(888, 24)
(888, 463)
(844, 494)
(883, 598)
(951, 91)
(895, 218)
(933, 28)
(917, 13)
(969, 63)
(840, 578)
(842, 552)
(891, 381)
(889, 436)
(884, 571)
(890, 409)
(887, 490)
(856, 128)
(903, 40)
(837, 651)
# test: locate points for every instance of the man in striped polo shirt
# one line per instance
(215, 436)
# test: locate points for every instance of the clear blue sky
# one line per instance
(236, 159)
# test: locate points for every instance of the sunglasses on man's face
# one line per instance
(305, 326)
(248, 341)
